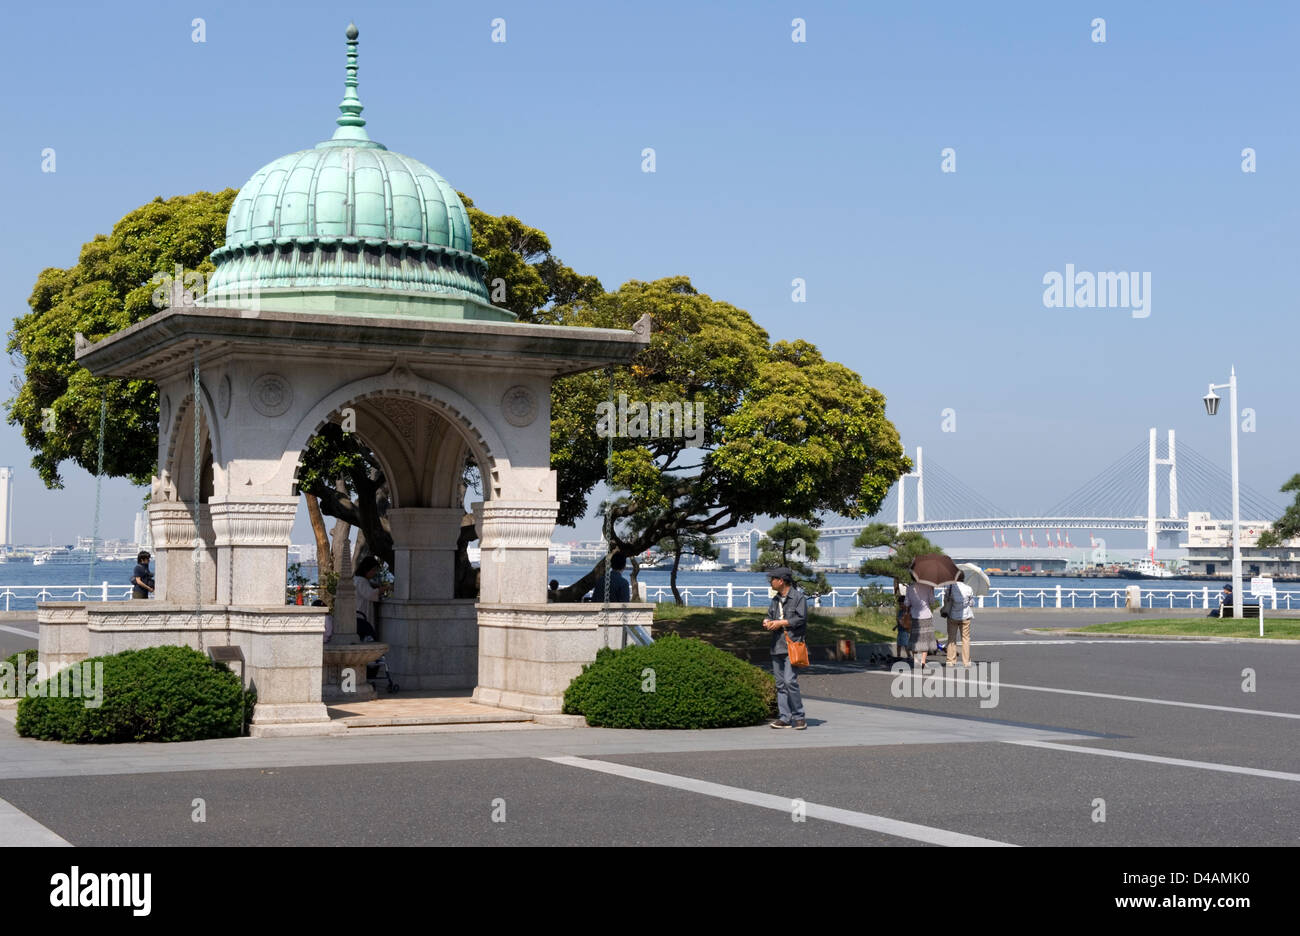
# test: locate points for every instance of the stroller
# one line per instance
(379, 670)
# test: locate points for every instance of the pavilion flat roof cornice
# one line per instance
(164, 343)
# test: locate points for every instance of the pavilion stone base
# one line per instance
(281, 645)
(529, 653)
(433, 643)
(62, 635)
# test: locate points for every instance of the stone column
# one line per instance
(424, 551)
(252, 537)
(515, 544)
(345, 599)
(171, 525)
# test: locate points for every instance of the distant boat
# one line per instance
(706, 565)
(1146, 567)
(62, 557)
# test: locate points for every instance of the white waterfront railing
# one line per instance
(731, 595)
(30, 594)
(1059, 596)
(26, 597)
(1049, 596)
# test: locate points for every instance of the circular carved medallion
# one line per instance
(519, 406)
(271, 395)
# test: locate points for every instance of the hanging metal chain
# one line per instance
(99, 487)
(609, 473)
(198, 481)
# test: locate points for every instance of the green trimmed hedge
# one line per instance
(156, 694)
(672, 683)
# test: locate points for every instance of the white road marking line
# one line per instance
(1124, 698)
(858, 820)
(19, 829)
(1113, 641)
(1157, 759)
(18, 630)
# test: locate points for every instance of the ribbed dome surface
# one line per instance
(346, 191)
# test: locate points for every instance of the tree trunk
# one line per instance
(324, 557)
(341, 532)
(672, 576)
(635, 592)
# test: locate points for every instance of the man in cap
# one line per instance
(787, 614)
(142, 584)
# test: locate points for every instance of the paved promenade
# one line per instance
(1156, 736)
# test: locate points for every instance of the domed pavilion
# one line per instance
(347, 291)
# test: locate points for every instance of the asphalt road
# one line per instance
(865, 773)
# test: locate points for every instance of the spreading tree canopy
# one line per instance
(110, 287)
(785, 432)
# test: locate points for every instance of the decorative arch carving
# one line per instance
(427, 398)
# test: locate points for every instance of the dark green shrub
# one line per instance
(695, 685)
(156, 694)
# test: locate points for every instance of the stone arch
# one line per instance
(178, 461)
(420, 448)
(475, 431)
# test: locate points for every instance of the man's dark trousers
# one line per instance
(789, 703)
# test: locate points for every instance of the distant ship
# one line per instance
(62, 557)
(1146, 568)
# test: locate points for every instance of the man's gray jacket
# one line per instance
(793, 608)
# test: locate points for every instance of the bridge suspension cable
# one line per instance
(1210, 489)
(947, 498)
(1118, 490)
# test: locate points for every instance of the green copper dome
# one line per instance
(337, 192)
(350, 227)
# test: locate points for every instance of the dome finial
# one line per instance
(351, 123)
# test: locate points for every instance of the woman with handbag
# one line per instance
(922, 634)
(787, 618)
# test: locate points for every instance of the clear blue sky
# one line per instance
(775, 160)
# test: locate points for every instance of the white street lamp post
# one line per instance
(1212, 407)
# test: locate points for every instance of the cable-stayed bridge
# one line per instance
(1126, 495)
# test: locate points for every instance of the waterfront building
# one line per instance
(6, 507)
(1209, 549)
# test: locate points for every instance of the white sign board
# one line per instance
(1261, 587)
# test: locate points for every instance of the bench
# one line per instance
(1249, 609)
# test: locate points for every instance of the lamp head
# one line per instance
(1211, 402)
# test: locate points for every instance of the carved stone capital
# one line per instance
(519, 524)
(171, 524)
(267, 521)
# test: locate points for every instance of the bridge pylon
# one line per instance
(1152, 464)
(920, 493)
